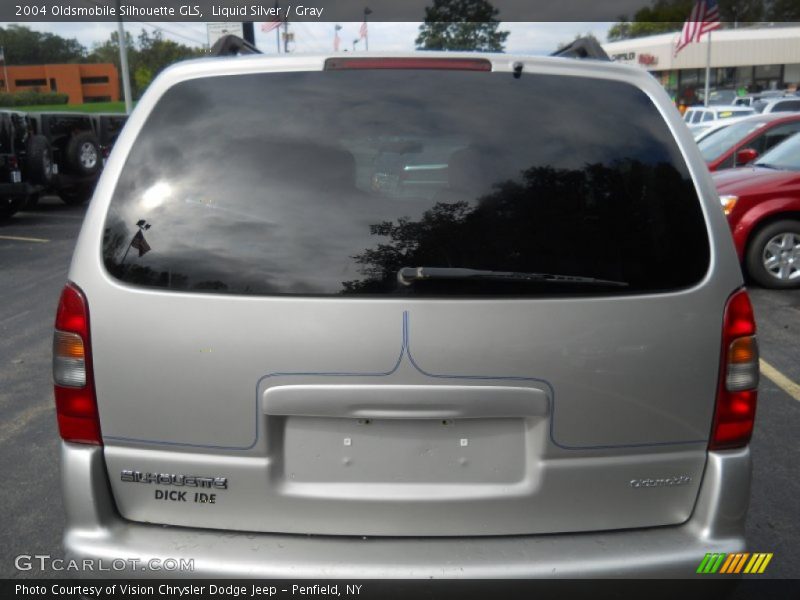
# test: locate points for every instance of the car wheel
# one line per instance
(773, 256)
(39, 160)
(83, 153)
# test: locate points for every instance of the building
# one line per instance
(81, 82)
(745, 59)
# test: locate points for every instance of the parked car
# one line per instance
(700, 132)
(542, 362)
(762, 203)
(744, 141)
(751, 99)
(777, 105)
(26, 164)
(702, 116)
(719, 97)
(76, 150)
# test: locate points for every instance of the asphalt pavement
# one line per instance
(35, 250)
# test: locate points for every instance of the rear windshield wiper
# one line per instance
(408, 275)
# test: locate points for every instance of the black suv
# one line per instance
(77, 152)
(26, 162)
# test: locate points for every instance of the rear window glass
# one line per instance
(330, 183)
(718, 143)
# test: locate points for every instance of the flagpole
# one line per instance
(708, 70)
(367, 12)
(278, 28)
(5, 70)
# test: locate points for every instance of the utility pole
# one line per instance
(708, 71)
(123, 62)
(5, 69)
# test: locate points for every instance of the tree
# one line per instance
(784, 10)
(154, 54)
(148, 55)
(669, 15)
(24, 46)
(461, 25)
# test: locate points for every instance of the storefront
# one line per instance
(743, 60)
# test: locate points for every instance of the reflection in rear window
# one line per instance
(329, 183)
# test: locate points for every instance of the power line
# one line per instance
(158, 27)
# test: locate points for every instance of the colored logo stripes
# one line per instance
(743, 562)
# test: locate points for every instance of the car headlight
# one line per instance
(728, 202)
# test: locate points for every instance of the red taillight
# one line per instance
(455, 64)
(76, 403)
(737, 393)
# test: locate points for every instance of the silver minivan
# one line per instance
(421, 315)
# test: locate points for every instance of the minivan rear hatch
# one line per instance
(403, 301)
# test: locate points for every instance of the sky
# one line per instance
(524, 38)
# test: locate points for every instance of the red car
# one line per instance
(744, 141)
(762, 203)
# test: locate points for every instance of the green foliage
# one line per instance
(148, 55)
(669, 15)
(784, 10)
(89, 107)
(32, 98)
(142, 77)
(461, 25)
(24, 46)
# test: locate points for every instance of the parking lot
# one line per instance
(35, 250)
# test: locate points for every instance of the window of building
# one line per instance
(97, 79)
(97, 98)
(768, 77)
(30, 82)
(726, 77)
(744, 77)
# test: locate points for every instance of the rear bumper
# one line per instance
(17, 190)
(95, 530)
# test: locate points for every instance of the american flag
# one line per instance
(363, 30)
(268, 26)
(703, 18)
(140, 243)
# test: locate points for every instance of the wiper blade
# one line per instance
(765, 165)
(408, 275)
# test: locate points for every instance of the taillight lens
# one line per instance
(728, 203)
(738, 380)
(76, 404)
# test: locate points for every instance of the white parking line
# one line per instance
(15, 238)
(779, 379)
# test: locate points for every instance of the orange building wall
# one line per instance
(67, 78)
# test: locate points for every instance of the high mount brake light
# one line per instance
(73, 378)
(453, 64)
(737, 394)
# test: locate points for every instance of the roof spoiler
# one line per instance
(232, 45)
(585, 47)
